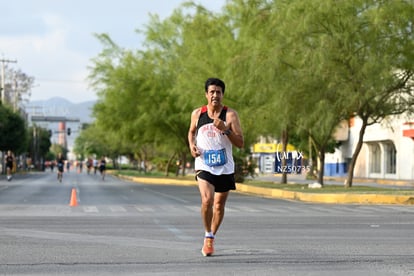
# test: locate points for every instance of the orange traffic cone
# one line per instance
(73, 199)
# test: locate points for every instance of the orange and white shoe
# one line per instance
(208, 247)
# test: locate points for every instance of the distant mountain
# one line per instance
(58, 106)
(55, 101)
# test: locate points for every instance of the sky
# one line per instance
(53, 40)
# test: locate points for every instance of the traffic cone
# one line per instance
(73, 199)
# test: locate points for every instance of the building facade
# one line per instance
(387, 151)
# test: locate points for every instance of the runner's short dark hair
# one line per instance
(215, 81)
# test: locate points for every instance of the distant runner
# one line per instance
(102, 167)
(9, 165)
(60, 162)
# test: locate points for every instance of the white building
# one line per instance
(387, 151)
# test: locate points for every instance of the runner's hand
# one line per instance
(219, 124)
(195, 152)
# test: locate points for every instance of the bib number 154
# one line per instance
(214, 158)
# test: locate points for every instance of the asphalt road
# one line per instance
(127, 228)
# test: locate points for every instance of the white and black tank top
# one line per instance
(215, 147)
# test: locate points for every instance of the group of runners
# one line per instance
(97, 165)
(60, 163)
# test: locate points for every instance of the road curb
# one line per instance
(381, 181)
(344, 198)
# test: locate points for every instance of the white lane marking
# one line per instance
(177, 232)
(117, 209)
(90, 209)
(167, 195)
(144, 209)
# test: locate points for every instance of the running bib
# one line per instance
(215, 158)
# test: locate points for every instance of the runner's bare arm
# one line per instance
(192, 133)
(236, 134)
(231, 127)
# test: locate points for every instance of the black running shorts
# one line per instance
(222, 183)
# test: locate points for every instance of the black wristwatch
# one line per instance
(227, 132)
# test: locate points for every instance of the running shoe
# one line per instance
(208, 248)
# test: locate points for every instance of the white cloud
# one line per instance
(53, 40)
(59, 71)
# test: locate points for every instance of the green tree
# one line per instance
(127, 110)
(149, 100)
(55, 149)
(292, 67)
(39, 144)
(349, 58)
(381, 69)
(13, 131)
(265, 71)
(199, 47)
(96, 141)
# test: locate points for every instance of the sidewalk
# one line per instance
(334, 198)
(330, 180)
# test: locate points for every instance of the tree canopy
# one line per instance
(13, 131)
(291, 67)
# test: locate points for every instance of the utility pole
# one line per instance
(3, 92)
